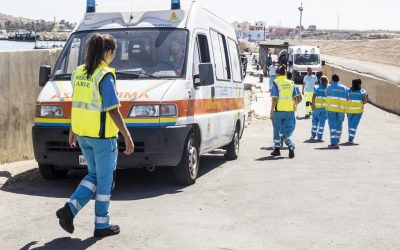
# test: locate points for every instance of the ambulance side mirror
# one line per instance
(323, 63)
(44, 75)
(206, 74)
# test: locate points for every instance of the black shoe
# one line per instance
(333, 146)
(291, 152)
(307, 116)
(66, 219)
(276, 152)
(110, 231)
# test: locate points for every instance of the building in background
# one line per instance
(279, 32)
(260, 32)
(250, 32)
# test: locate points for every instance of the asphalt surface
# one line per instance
(388, 72)
(322, 199)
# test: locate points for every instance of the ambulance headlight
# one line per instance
(145, 111)
(51, 111)
(169, 110)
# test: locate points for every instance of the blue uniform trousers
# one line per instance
(353, 121)
(318, 123)
(101, 157)
(283, 122)
(282, 133)
(335, 121)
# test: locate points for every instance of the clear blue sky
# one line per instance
(354, 14)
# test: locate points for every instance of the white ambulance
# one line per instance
(179, 81)
(302, 57)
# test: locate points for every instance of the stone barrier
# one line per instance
(19, 89)
(381, 93)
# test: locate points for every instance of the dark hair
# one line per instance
(289, 75)
(335, 78)
(97, 45)
(282, 70)
(356, 85)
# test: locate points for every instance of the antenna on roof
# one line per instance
(175, 4)
(90, 6)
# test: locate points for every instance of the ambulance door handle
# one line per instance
(212, 92)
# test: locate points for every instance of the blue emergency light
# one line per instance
(91, 6)
(175, 4)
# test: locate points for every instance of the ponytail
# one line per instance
(97, 45)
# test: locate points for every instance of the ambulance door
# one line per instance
(224, 90)
(202, 100)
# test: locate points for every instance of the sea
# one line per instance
(24, 46)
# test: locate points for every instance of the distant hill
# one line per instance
(11, 23)
(4, 18)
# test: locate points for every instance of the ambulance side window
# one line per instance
(201, 53)
(221, 58)
(236, 67)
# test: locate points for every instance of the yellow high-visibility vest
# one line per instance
(336, 104)
(88, 118)
(320, 102)
(285, 99)
(355, 107)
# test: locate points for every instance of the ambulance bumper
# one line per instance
(160, 146)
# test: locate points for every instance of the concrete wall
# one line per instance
(19, 88)
(381, 93)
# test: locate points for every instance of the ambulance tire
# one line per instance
(187, 170)
(48, 172)
(232, 149)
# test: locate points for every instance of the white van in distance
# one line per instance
(179, 81)
(303, 57)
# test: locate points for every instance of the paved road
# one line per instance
(383, 71)
(322, 199)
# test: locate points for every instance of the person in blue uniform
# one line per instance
(358, 97)
(283, 95)
(318, 107)
(95, 123)
(336, 104)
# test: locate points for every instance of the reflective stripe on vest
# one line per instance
(320, 102)
(355, 106)
(88, 117)
(285, 100)
(336, 104)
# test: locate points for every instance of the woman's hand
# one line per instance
(129, 146)
(72, 139)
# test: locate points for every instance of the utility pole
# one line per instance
(301, 19)
(337, 26)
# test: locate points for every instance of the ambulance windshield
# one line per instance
(306, 59)
(153, 52)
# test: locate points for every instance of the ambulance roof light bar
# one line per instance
(90, 6)
(175, 4)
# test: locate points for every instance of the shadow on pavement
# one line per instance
(271, 158)
(326, 148)
(302, 118)
(346, 144)
(63, 243)
(131, 184)
(5, 174)
(272, 148)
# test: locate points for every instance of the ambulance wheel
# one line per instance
(50, 173)
(187, 170)
(232, 149)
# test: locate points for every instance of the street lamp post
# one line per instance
(301, 19)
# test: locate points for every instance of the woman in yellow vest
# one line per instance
(358, 97)
(95, 123)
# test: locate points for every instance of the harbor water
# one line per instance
(24, 46)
